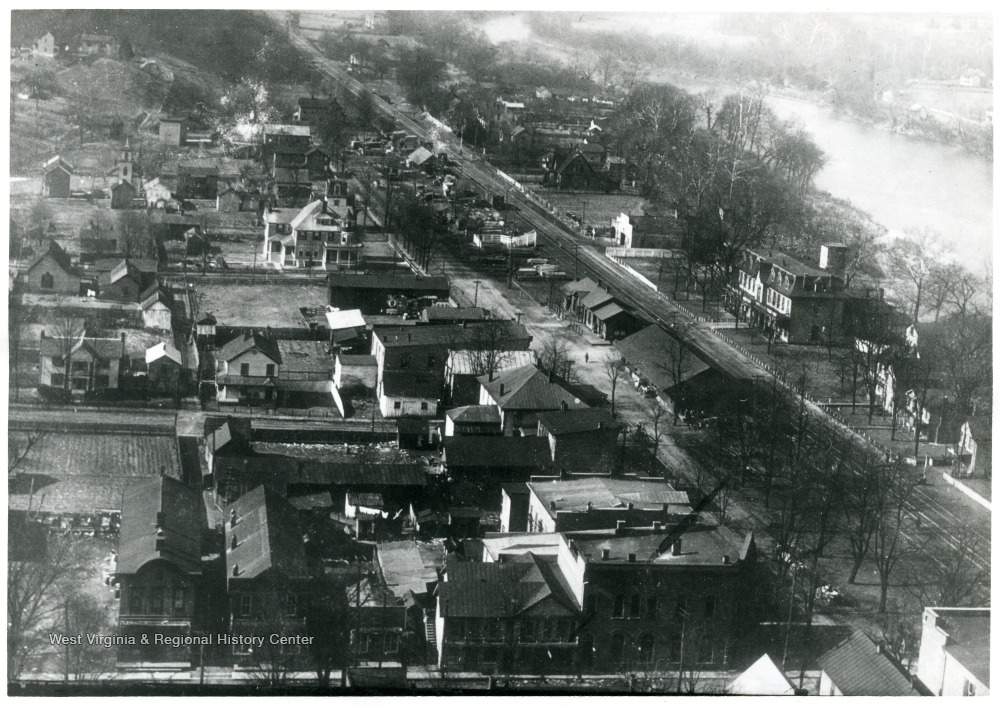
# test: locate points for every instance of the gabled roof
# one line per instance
(420, 155)
(596, 298)
(858, 667)
(646, 350)
(182, 520)
(761, 678)
(57, 162)
(609, 311)
(475, 414)
(603, 493)
(531, 453)
(56, 252)
(345, 319)
(468, 362)
(500, 590)
(560, 422)
(268, 536)
(163, 350)
(245, 342)
(437, 314)
(527, 388)
(410, 565)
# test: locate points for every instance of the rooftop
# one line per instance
(162, 519)
(294, 130)
(411, 384)
(345, 319)
(469, 414)
(410, 565)
(267, 534)
(558, 422)
(527, 388)
(968, 638)
(700, 545)
(299, 356)
(603, 493)
(468, 362)
(530, 453)
(250, 342)
(493, 589)
(439, 314)
(646, 350)
(858, 667)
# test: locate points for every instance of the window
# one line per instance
(458, 628)
(528, 631)
(156, 596)
(472, 627)
(391, 643)
(135, 600)
(80, 366)
(430, 362)
(58, 380)
(59, 361)
(244, 369)
(563, 629)
(291, 604)
(246, 604)
(179, 598)
(646, 646)
(404, 360)
(709, 607)
(617, 650)
(680, 608)
(634, 608)
(269, 369)
(675, 647)
(397, 405)
(651, 608)
(619, 608)
(705, 651)
(364, 640)
(48, 282)
(423, 407)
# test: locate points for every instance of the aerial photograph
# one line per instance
(500, 353)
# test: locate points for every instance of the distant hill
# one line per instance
(227, 43)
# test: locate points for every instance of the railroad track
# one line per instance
(652, 305)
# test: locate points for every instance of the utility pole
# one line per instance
(576, 260)
(788, 623)
(475, 299)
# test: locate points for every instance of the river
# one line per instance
(903, 182)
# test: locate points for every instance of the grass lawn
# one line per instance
(600, 209)
(260, 305)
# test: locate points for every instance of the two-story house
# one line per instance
(790, 300)
(312, 110)
(580, 440)
(160, 569)
(57, 175)
(954, 655)
(267, 580)
(520, 394)
(585, 166)
(320, 235)
(287, 135)
(246, 369)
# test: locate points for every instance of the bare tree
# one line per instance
(490, 347)
(36, 592)
(890, 541)
(913, 256)
(860, 504)
(678, 360)
(553, 356)
(68, 330)
(654, 416)
(83, 615)
(963, 353)
(135, 237)
(878, 344)
(952, 573)
(614, 367)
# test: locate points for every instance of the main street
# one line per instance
(567, 247)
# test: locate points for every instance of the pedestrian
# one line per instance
(586, 358)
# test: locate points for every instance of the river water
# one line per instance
(903, 182)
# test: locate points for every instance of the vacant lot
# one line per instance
(264, 304)
(593, 208)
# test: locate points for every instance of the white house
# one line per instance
(319, 235)
(954, 655)
(246, 369)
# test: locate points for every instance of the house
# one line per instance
(57, 174)
(761, 678)
(44, 46)
(472, 420)
(972, 78)
(197, 182)
(607, 317)
(94, 363)
(295, 158)
(586, 166)
(520, 394)
(157, 307)
(312, 110)
(267, 580)
(582, 439)
(505, 616)
(463, 369)
(233, 200)
(52, 271)
(377, 22)
(157, 194)
(494, 459)
(345, 325)
(543, 93)
(860, 667)
(123, 195)
(688, 594)
(954, 655)
(419, 157)
(408, 394)
(592, 503)
(164, 369)
(974, 450)
(287, 135)
(791, 301)
(246, 369)
(160, 569)
(381, 294)
(173, 130)
(411, 569)
(103, 44)
(127, 280)
(205, 327)
(378, 617)
(306, 367)
(319, 235)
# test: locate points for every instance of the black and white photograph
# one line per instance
(519, 351)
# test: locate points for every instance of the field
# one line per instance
(261, 305)
(594, 208)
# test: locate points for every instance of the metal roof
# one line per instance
(527, 388)
(858, 667)
(268, 536)
(157, 504)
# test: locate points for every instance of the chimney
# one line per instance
(501, 388)
(631, 557)
(123, 344)
(563, 405)
(236, 570)
(605, 553)
(234, 543)
(163, 471)
(590, 505)
(630, 505)
(267, 332)
(552, 505)
(675, 550)
(552, 374)
(232, 517)
(600, 425)
(726, 559)
(656, 525)
(619, 526)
